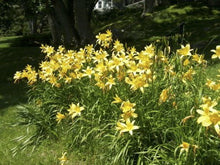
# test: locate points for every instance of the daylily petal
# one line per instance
(217, 129)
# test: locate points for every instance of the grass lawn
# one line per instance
(139, 32)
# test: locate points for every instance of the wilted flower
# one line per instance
(184, 147)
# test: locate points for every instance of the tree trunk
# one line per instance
(165, 2)
(54, 28)
(148, 6)
(214, 3)
(119, 4)
(33, 25)
(67, 23)
(82, 20)
(70, 20)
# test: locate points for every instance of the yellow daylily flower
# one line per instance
(117, 99)
(133, 67)
(127, 106)
(188, 75)
(204, 118)
(118, 47)
(110, 82)
(208, 104)
(164, 95)
(127, 115)
(75, 110)
(208, 119)
(63, 158)
(209, 115)
(149, 50)
(17, 76)
(126, 127)
(198, 58)
(217, 52)
(212, 85)
(186, 62)
(120, 127)
(104, 39)
(130, 127)
(139, 81)
(185, 50)
(59, 117)
(88, 72)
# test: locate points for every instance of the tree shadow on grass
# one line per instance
(11, 94)
(14, 59)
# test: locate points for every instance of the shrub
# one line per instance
(120, 106)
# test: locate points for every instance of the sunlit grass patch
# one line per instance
(201, 25)
(6, 42)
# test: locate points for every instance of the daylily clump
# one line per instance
(109, 91)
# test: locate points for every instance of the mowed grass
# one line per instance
(43, 155)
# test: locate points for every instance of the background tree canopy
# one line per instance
(69, 21)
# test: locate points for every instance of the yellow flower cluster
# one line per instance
(199, 59)
(185, 52)
(188, 61)
(110, 63)
(124, 124)
(105, 67)
(28, 73)
(186, 69)
(209, 115)
(104, 39)
(74, 110)
(213, 85)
